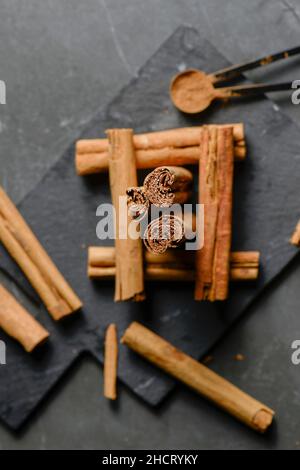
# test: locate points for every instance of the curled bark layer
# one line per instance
(167, 185)
(137, 202)
(167, 231)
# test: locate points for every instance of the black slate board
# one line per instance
(61, 211)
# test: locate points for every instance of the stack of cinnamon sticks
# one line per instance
(214, 148)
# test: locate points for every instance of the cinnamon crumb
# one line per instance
(239, 357)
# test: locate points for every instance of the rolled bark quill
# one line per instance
(200, 378)
(170, 147)
(295, 239)
(167, 231)
(129, 283)
(21, 243)
(18, 323)
(137, 202)
(167, 185)
(110, 362)
(172, 265)
(215, 192)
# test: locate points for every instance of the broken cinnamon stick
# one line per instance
(198, 377)
(295, 239)
(110, 362)
(129, 282)
(137, 202)
(172, 265)
(19, 240)
(215, 192)
(167, 185)
(170, 147)
(18, 323)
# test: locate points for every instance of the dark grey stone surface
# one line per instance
(268, 359)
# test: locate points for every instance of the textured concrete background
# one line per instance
(61, 60)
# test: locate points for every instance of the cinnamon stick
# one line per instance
(18, 323)
(167, 185)
(172, 265)
(198, 377)
(215, 192)
(295, 238)
(167, 231)
(25, 249)
(129, 282)
(170, 147)
(111, 362)
(137, 202)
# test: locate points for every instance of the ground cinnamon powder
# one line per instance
(191, 91)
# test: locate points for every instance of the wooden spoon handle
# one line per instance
(251, 90)
(236, 70)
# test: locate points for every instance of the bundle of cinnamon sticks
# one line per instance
(214, 148)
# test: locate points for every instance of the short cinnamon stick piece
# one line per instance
(153, 149)
(295, 239)
(198, 377)
(167, 185)
(18, 323)
(172, 265)
(25, 249)
(111, 362)
(129, 282)
(215, 192)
